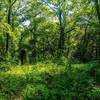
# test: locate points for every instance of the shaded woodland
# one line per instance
(60, 39)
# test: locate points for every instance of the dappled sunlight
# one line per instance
(35, 69)
(48, 68)
(49, 49)
(17, 70)
(81, 66)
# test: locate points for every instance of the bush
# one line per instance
(4, 66)
(51, 82)
(3, 96)
(94, 71)
(10, 84)
(95, 93)
(35, 92)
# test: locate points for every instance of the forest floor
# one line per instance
(51, 82)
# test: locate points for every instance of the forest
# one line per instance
(49, 49)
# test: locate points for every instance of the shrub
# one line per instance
(35, 92)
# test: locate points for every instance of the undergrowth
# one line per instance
(51, 82)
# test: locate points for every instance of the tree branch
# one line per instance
(13, 3)
(52, 8)
(70, 30)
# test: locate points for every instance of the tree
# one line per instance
(62, 10)
(10, 4)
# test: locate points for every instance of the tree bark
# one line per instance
(97, 9)
(7, 34)
(97, 6)
(61, 38)
(9, 22)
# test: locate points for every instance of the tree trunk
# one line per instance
(61, 38)
(97, 9)
(98, 15)
(9, 22)
(7, 34)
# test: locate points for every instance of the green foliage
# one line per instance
(57, 33)
(10, 85)
(38, 92)
(51, 81)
